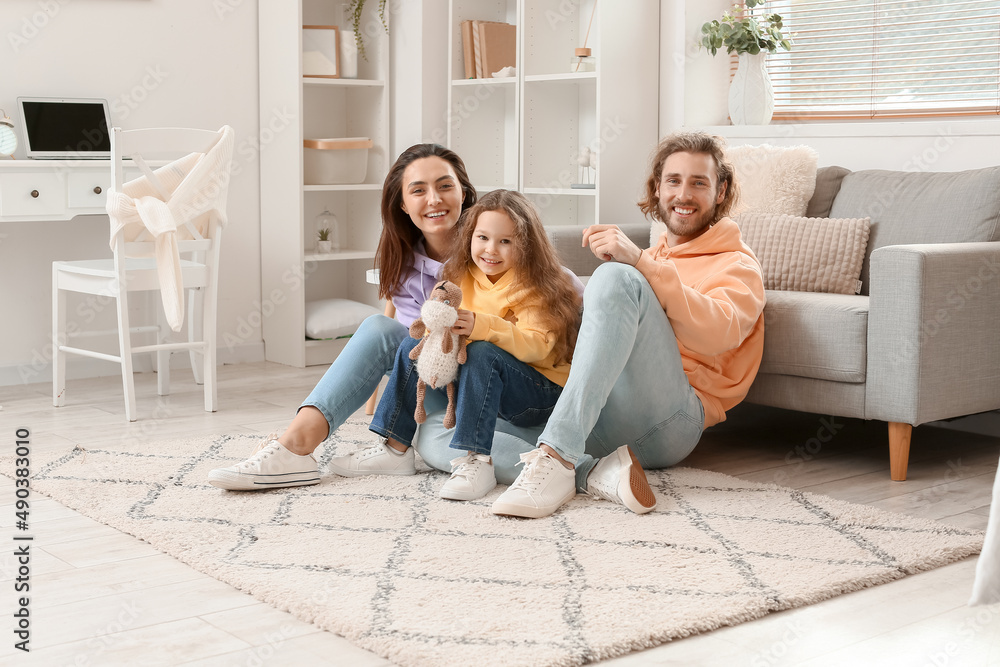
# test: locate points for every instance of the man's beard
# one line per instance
(690, 228)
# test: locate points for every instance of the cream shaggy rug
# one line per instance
(424, 581)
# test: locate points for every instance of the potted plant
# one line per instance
(354, 10)
(748, 32)
(324, 244)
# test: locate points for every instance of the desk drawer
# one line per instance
(89, 189)
(33, 194)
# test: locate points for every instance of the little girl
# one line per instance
(521, 313)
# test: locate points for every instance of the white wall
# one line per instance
(158, 62)
(702, 88)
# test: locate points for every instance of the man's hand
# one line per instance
(610, 244)
(465, 322)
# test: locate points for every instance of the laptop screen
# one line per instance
(65, 128)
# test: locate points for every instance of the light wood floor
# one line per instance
(100, 597)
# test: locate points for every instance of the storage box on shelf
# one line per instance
(530, 133)
(347, 183)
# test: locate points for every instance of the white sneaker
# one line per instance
(543, 486)
(471, 478)
(270, 467)
(620, 479)
(380, 459)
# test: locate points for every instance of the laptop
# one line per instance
(65, 128)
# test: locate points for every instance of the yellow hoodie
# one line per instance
(510, 326)
(712, 291)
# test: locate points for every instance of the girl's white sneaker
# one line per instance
(380, 459)
(472, 477)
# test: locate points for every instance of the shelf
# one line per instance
(507, 81)
(562, 192)
(568, 77)
(346, 83)
(360, 187)
(311, 256)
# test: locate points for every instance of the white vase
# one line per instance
(324, 247)
(348, 54)
(751, 95)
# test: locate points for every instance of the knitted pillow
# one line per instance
(807, 254)
(772, 179)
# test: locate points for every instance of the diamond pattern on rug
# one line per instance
(394, 568)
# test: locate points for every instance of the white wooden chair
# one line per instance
(134, 265)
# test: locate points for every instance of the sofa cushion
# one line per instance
(921, 207)
(807, 254)
(828, 180)
(821, 336)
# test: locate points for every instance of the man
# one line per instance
(671, 338)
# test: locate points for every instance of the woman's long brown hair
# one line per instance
(540, 281)
(399, 235)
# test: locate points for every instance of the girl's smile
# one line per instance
(493, 244)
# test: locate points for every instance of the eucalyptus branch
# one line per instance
(743, 31)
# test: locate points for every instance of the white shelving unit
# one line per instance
(292, 271)
(527, 133)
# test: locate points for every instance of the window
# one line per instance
(887, 59)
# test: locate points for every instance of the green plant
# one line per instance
(324, 234)
(743, 31)
(355, 8)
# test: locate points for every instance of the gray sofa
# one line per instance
(922, 341)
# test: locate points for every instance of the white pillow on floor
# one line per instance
(333, 318)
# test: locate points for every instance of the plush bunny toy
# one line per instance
(440, 352)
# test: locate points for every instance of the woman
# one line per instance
(424, 195)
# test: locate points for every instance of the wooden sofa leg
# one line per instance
(899, 450)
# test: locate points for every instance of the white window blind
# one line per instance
(887, 58)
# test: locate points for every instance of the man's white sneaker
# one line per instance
(270, 467)
(620, 479)
(543, 486)
(380, 459)
(472, 477)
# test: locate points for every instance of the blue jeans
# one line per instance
(626, 386)
(491, 383)
(356, 372)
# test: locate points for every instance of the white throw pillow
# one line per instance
(772, 179)
(333, 318)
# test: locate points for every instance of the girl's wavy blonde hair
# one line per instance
(540, 281)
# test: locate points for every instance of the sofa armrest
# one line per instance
(933, 331)
(580, 260)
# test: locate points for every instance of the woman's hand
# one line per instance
(465, 322)
(610, 244)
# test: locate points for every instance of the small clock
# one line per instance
(8, 137)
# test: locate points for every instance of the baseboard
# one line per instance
(40, 370)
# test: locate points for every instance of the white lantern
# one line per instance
(8, 137)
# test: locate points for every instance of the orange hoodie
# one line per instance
(713, 294)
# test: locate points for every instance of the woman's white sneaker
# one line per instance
(270, 467)
(472, 477)
(620, 479)
(380, 459)
(543, 486)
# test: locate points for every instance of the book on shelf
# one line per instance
(487, 47)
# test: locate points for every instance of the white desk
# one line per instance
(39, 190)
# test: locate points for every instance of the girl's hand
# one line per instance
(610, 244)
(464, 324)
